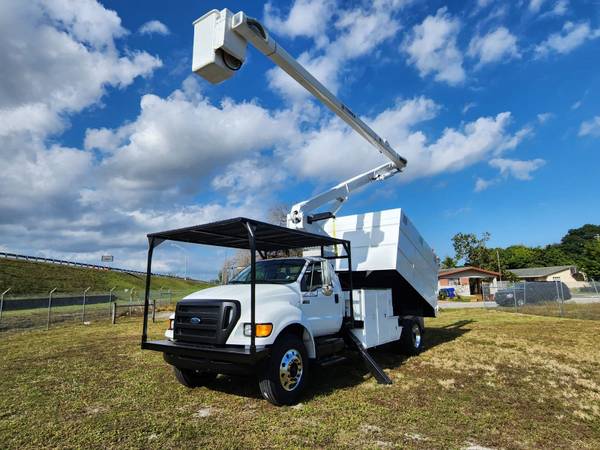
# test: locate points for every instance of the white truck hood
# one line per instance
(266, 295)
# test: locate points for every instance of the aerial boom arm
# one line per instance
(336, 196)
(220, 42)
(251, 31)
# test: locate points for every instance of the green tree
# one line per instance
(574, 242)
(448, 263)
(472, 250)
(589, 262)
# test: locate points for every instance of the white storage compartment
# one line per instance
(374, 308)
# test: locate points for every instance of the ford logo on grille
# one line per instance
(195, 320)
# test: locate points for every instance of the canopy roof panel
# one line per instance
(234, 233)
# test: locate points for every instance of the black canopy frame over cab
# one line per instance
(247, 234)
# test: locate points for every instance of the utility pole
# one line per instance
(499, 268)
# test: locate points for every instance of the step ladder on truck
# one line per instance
(362, 281)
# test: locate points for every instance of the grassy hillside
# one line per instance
(26, 277)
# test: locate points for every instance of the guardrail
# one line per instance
(85, 265)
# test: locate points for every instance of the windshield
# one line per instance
(281, 271)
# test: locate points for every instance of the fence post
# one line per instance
(515, 295)
(110, 296)
(113, 312)
(2, 301)
(558, 299)
(131, 300)
(154, 311)
(49, 307)
(595, 287)
(84, 295)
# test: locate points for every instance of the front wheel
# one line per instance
(284, 375)
(411, 339)
(193, 378)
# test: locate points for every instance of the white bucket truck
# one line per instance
(364, 280)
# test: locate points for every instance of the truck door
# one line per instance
(321, 302)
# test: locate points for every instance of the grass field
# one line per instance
(25, 277)
(487, 378)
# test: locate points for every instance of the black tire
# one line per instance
(411, 339)
(284, 375)
(193, 378)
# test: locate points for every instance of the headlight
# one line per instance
(171, 323)
(262, 329)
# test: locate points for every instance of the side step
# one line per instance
(371, 364)
(331, 360)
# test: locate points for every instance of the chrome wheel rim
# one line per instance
(416, 332)
(291, 370)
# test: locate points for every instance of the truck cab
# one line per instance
(290, 292)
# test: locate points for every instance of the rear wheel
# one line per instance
(284, 375)
(411, 339)
(193, 378)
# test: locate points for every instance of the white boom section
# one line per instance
(337, 195)
(220, 42)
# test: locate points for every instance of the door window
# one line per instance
(313, 278)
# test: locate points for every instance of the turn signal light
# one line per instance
(262, 329)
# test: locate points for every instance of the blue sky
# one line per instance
(106, 135)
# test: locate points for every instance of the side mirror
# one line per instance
(327, 290)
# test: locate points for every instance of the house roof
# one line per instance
(443, 273)
(533, 272)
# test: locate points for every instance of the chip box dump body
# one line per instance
(389, 252)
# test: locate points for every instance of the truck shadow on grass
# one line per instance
(349, 373)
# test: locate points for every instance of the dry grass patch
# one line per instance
(487, 379)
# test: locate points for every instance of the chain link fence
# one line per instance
(580, 300)
(44, 310)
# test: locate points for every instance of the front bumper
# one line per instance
(228, 360)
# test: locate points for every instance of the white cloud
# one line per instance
(58, 57)
(521, 170)
(432, 48)
(248, 177)
(497, 45)
(535, 5)
(468, 107)
(590, 127)
(306, 18)
(154, 27)
(481, 184)
(178, 141)
(341, 153)
(356, 33)
(576, 105)
(568, 39)
(561, 7)
(518, 169)
(544, 117)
